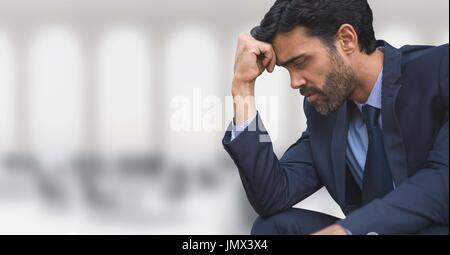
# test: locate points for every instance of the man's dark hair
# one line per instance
(321, 18)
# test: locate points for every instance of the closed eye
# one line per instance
(300, 63)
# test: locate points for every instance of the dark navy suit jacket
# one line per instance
(415, 109)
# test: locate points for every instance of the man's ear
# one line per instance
(347, 39)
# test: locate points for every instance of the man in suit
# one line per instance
(377, 124)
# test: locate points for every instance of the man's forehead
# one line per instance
(293, 43)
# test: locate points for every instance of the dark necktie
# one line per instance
(377, 180)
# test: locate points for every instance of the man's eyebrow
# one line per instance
(289, 61)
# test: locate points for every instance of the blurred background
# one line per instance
(91, 94)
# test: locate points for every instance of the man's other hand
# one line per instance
(334, 229)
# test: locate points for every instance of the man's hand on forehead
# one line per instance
(252, 57)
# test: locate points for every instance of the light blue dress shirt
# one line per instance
(235, 131)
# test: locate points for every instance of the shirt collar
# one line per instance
(375, 95)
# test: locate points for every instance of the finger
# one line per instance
(272, 63)
(262, 60)
(270, 59)
(265, 61)
(268, 55)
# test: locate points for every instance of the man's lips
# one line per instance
(311, 97)
(310, 93)
(307, 94)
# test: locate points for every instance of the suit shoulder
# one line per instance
(422, 54)
(425, 74)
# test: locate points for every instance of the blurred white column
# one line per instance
(55, 91)
(7, 93)
(193, 123)
(125, 121)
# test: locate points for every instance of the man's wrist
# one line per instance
(243, 100)
(242, 89)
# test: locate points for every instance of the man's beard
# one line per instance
(339, 84)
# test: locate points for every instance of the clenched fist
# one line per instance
(252, 58)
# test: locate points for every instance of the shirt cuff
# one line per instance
(348, 231)
(237, 130)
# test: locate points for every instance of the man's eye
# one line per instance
(299, 64)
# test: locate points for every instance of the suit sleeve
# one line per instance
(272, 185)
(422, 200)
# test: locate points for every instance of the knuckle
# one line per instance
(246, 47)
(243, 37)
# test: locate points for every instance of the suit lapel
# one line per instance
(393, 141)
(338, 149)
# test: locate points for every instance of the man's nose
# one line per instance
(297, 83)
